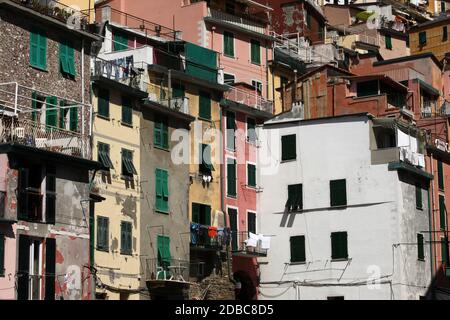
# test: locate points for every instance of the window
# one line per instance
(442, 212)
(37, 103)
(231, 177)
(367, 88)
(251, 130)
(442, 6)
(201, 214)
(205, 159)
(2, 255)
(444, 251)
(103, 103)
(204, 110)
(161, 133)
(38, 49)
(233, 216)
(120, 41)
(66, 58)
(103, 156)
(338, 193)
(102, 233)
(440, 170)
(162, 190)
(288, 147)
(229, 78)
(128, 168)
(127, 111)
(51, 111)
(420, 249)
(63, 112)
(32, 183)
(339, 245)
(255, 50)
(125, 237)
(295, 197)
(251, 222)
(231, 128)
(298, 249)
(444, 33)
(388, 42)
(228, 44)
(73, 121)
(164, 256)
(419, 202)
(178, 90)
(251, 175)
(422, 38)
(257, 85)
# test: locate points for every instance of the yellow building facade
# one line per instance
(431, 37)
(118, 268)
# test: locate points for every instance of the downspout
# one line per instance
(431, 235)
(267, 72)
(433, 211)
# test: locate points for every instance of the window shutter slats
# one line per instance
(231, 177)
(195, 212)
(42, 51)
(71, 59)
(63, 58)
(34, 51)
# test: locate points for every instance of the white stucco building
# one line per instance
(360, 212)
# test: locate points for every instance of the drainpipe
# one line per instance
(433, 209)
(431, 235)
(267, 73)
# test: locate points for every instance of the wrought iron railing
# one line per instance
(160, 94)
(38, 135)
(166, 269)
(248, 22)
(55, 9)
(126, 74)
(206, 237)
(250, 98)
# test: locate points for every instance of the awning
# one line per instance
(428, 88)
(383, 78)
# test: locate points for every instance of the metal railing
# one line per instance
(126, 74)
(166, 270)
(160, 94)
(249, 98)
(57, 10)
(246, 23)
(149, 28)
(241, 243)
(201, 237)
(38, 135)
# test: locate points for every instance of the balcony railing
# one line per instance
(127, 74)
(166, 270)
(251, 99)
(241, 242)
(202, 236)
(239, 21)
(38, 135)
(59, 11)
(160, 95)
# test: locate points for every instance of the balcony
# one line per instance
(128, 74)
(166, 270)
(249, 98)
(40, 120)
(238, 21)
(159, 94)
(203, 238)
(58, 11)
(241, 243)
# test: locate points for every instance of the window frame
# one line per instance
(302, 253)
(127, 111)
(228, 35)
(161, 129)
(298, 199)
(233, 160)
(333, 185)
(106, 162)
(343, 257)
(292, 155)
(162, 191)
(103, 99)
(40, 48)
(126, 237)
(254, 42)
(126, 161)
(105, 233)
(420, 247)
(248, 165)
(205, 97)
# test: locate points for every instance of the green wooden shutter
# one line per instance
(165, 134)
(120, 41)
(231, 127)
(440, 175)
(338, 192)
(388, 42)
(195, 212)
(100, 233)
(228, 44)
(255, 51)
(442, 215)
(34, 97)
(251, 175)
(62, 115)
(204, 105)
(444, 251)
(2, 254)
(207, 214)
(125, 237)
(42, 62)
(73, 121)
(231, 177)
(122, 238)
(177, 90)
(126, 110)
(71, 59)
(422, 38)
(157, 133)
(288, 147)
(419, 197)
(297, 244)
(165, 187)
(162, 190)
(103, 103)
(34, 48)
(63, 58)
(163, 243)
(52, 114)
(251, 130)
(420, 250)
